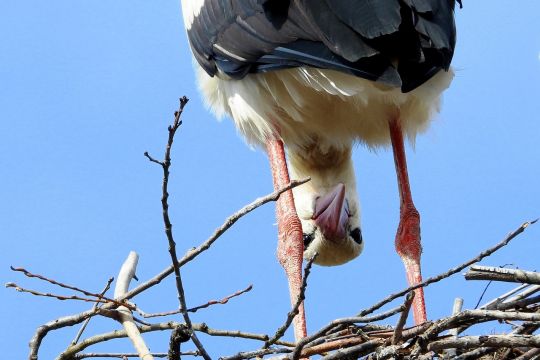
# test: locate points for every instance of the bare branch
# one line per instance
(55, 296)
(530, 354)
(336, 323)
(170, 325)
(458, 305)
(228, 223)
(504, 296)
(123, 356)
(223, 301)
(99, 297)
(450, 272)
(478, 272)
(396, 338)
(274, 196)
(469, 342)
(165, 165)
(294, 311)
(85, 323)
(127, 271)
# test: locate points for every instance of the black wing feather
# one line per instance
(365, 38)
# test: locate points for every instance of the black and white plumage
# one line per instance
(362, 38)
(321, 75)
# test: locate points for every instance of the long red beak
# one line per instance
(332, 214)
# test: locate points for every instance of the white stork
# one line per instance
(316, 76)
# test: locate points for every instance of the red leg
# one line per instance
(290, 243)
(408, 234)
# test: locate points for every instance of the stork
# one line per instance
(306, 80)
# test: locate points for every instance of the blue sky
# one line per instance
(86, 87)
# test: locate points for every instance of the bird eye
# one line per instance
(356, 234)
(308, 238)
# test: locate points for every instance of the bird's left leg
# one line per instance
(290, 242)
(408, 234)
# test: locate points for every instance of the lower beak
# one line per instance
(332, 214)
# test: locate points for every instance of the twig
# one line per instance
(529, 354)
(450, 272)
(294, 311)
(504, 296)
(55, 296)
(426, 282)
(475, 354)
(223, 301)
(256, 353)
(396, 338)
(127, 355)
(99, 298)
(165, 165)
(228, 223)
(344, 321)
(355, 351)
(478, 272)
(524, 294)
(274, 196)
(466, 317)
(517, 304)
(127, 271)
(85, 323)
(458, 305)
(469, 342)
(69, 353)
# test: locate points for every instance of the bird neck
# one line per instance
(326, 166)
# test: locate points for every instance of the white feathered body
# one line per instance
(324, 106)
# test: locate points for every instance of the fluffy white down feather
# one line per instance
(308, 104)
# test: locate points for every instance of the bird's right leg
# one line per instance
(408, 243)
(290, 249)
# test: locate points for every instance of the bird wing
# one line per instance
(401, 43)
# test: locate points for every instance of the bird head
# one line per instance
(330, 223)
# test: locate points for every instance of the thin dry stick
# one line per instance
(503, 297)
(85, 323)
(228, 223)
(165, 165)
(70, 287)
(337, 324)
(396, 338)
(274, 196)
(55, 296)
(492, 273)
(452, 271)
(426, 282)
(530, 354)
(468, 342)
(467, 317)
(223, 301)
(355, 351)
(292, 314)
(458, 305)
(164, 326)
(123, 356)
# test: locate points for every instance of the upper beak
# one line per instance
(332, 213)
